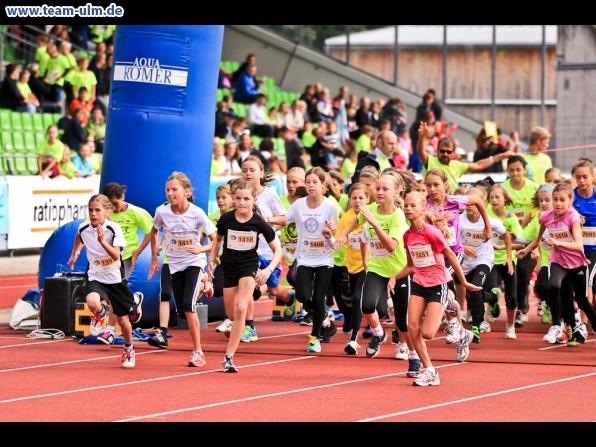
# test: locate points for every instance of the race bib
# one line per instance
(242, 240)
(561, 234)
(473, 238)
(589, 235)
(180, 244)
(313, 246)
(377, 249)
(498, 239)
(103, 265)
(422, 255)
(290, 251)
(520, 213)
(354, 240)
(450, 239)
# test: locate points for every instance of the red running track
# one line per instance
(278, 381)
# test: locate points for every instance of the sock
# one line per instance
(250, 323)
(163, 330)
(326, 322)
(378, 331)
(413, 355)
(110, 328)
(430, 369)
(103, 311)
(128, 347)
(194, 351)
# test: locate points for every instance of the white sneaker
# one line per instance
(484, 326)
(554, 335)
(488, 317)
(463, 346)
(352, 348)
(427, 378)
(452, 331)
(402, 351)
(227, 323)
(510, 332)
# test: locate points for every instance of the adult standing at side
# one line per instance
(538, 161)
(381, 157)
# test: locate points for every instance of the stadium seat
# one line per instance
(39, 138)
(5, 123)
(56, 117)
(16, 120)
(18, 166)
(48, 120)
(27, 120)
(38, 122)
(32, 166)
(18, 141)
(3, 168)
(6, 137)
(30, 144)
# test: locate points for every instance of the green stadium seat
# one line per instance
(32, 166)
(48, 120)
(18, 141)
(27, 119)
(38, 122)
(256, 140)
(5, 123)
(56, 117)
(16, 120)
(6, 138)
(3, 168)
(18, 166)
(39, 138)
(30, 143)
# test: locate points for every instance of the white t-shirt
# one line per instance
(269, 205)
(180, 231)
(102, 267)
(472, 235)
(313, 250)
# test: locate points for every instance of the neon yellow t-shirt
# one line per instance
(454, 170)
(130, 220)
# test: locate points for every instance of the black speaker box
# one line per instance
(60, 294)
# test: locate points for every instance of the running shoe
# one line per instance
(374, 346)
(96, 323)
(227, 323)
(427, 379)
(579, 335)
(510, 332)
(307, 320)
(106, 336)
(227, 364)
(386, 321)
(249, 334)
(451, 306)
(554, 335)
(290, 309)
(197, 359)
(547, 316)
(519, 318)
(128, 358)
(352, 348)
(367, 333)
(394, 337)
(414, 366)
(476, 332)
(485, 326)
(138, 314)
(452, 331)
(158, 341)
(314, 345)
(463, 346)
(540, 308)
(495, 308)
(328, 332)
(402, 352)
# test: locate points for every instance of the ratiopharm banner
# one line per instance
(38, 206)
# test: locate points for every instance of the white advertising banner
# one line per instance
(37, 206)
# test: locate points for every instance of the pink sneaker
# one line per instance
(197, 359)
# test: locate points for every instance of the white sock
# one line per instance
(378, 331)
(110, 328)
(413, 355)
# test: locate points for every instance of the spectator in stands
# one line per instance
(320, 149)
(324, 107)
(82, 101)
(381, 157)
(294, 149)
(429, 104)
(56, 68)
(23, 86)
(224, 79)
(310, 99)
(98, 62)
(282, 115)
(296, 116)
(70, 62)
(246, 148)
(223, 120)
(103, 82)
(66, 167)
(229, 100)
(218, 160)
(308, 138)
(74, 133)
(395, 111)
(363, 114)
(42, 90)
(366, 138)
(49, 153)
(96, 128)
(41, 52)
(453, 169)
(375, 114)
(232, 157)
(257, 118)
(100, 54)
(83, 160)
(486, 148)
(83, 77)
(10, 95)
(246, 88)
(251, 59)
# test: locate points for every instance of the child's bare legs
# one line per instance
(126, 327)
(93, 301)
(195, 329)
(240, 297)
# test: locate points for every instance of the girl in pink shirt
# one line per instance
(567, 260)
(426, 251)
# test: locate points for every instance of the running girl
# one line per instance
(567, 260)
(104, 242)
(183, 223)
(239, 232)
(426, 249)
